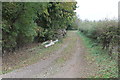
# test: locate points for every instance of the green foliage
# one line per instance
(56, 16)
(104, 32)
(26, 22)
(108, 67)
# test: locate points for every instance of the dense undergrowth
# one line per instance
(27, 22)
(102, 39)
(38, 53)
(107, 66)
(104, 32)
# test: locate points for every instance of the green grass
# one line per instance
(0, 72)
(41, 53)
(108, 68)
(69, 50)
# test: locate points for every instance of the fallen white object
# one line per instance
(51, 43)
(45, 42)
(55, 41)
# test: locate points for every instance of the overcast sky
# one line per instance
(97, 9)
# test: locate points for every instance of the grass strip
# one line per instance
(108, 68)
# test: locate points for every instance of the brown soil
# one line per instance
(75, 67)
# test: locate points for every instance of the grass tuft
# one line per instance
(108, 68)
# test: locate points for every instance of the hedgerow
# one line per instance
(104, 32)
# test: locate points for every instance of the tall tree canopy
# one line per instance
(29, 21)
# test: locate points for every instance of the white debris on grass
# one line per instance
(55, 41)
(50, 43)
(45, 42)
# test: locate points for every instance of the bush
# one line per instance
(24, 23)
(103, 32)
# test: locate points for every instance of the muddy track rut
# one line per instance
(75, 67)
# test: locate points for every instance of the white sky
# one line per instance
(97, 9)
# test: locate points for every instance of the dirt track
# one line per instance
(76, 66)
